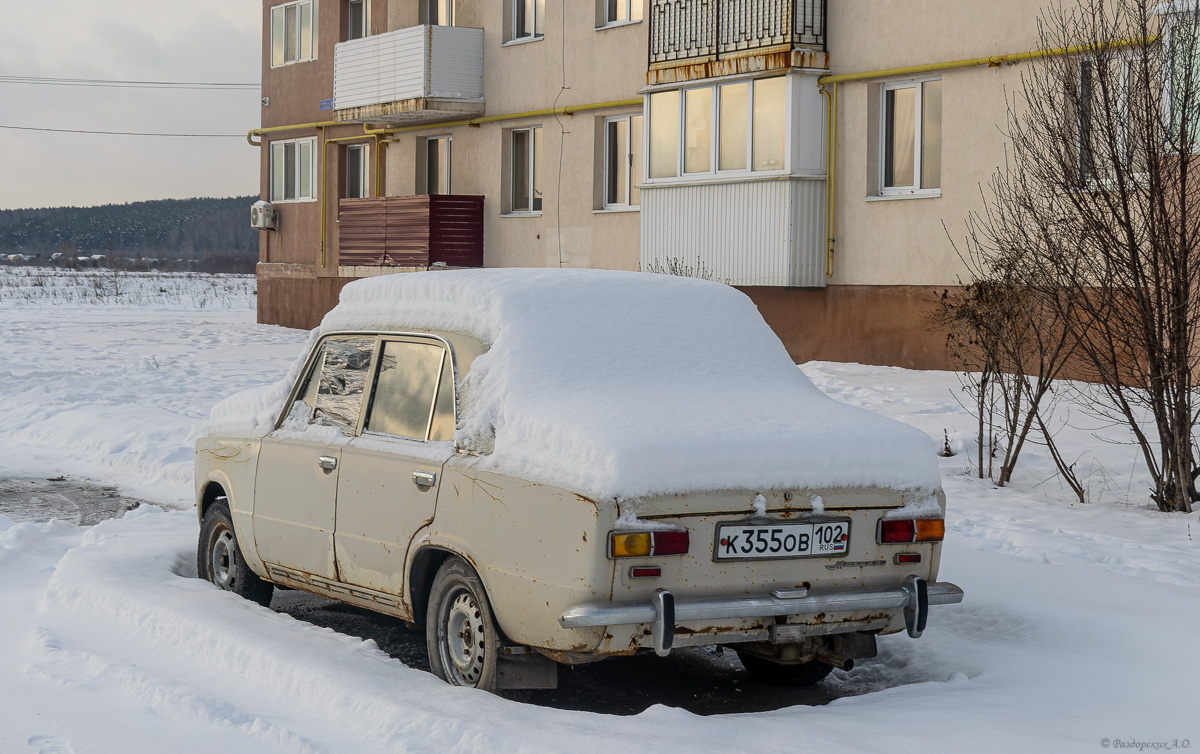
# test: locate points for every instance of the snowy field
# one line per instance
(1076, 634)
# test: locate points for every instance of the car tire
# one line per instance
(219, 558)
(460, 632)
(779, 674)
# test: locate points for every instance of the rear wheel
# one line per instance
(778, 674)
(460, 632)
(219, 559)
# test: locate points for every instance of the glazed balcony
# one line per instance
(718, 37)
(419, 74)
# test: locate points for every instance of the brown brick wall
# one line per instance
(869, 324)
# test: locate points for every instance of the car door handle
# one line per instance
(424, 478)
(329, 463)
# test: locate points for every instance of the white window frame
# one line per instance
(431, 8)
(518, 36)
(606, 8)
(631, 179)
(447, 168)
(714, 173)
(312, 42)
(273, 167)
(364, 169)
(1175, 14)
(1124, 59)
(529, 170)
(363, 30)
(918, 114)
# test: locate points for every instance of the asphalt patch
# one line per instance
(77, 501)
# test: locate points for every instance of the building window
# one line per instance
(293, 33)
(770, 124)
(528, 19)
(738, 126)
(356, 19)
(439, 12)
(1117, 79)
(616, 12)
(664, 134)
(1183, 79)
(622, 161)
(437, 165)
(734, 117)
(697, 129)
(293, 165)
(526, 156)
(357, 171)
(912, 137)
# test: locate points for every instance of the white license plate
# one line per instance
(757, 541)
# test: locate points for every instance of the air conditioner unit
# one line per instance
(262, 215)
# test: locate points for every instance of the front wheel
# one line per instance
(219, 559)
(778, 674)
(460, 632)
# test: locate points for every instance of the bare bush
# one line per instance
(1096, 212)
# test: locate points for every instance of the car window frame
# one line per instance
(369, 390)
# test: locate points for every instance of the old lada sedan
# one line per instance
(554, 466)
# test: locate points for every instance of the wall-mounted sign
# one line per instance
(327, 104)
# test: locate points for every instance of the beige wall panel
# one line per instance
(902, 241)
(864, 35)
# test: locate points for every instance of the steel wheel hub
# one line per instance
(464, 638)
(221, 559)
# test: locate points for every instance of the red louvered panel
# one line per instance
(456, 230)
(411, 231)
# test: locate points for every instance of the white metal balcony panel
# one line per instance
(765, 232)
(436, 62)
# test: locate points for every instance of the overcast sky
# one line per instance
(210, 40)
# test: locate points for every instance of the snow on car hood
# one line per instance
(623, 384)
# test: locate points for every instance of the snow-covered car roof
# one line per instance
(624, 384)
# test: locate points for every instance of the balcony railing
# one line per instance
(409, 74)
(686, 31)
(411, 231)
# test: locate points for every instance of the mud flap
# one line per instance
(526, 670)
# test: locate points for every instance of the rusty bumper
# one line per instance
(662, 610)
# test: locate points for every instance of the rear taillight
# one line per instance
(910, 530)
(642, 544)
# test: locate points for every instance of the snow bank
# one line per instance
(620, 384)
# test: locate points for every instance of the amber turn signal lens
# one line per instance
(930, 530)
(643, 543)
(633, 545)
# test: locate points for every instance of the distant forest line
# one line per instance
(204, 233)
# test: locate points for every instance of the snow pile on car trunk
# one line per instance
(622, 384)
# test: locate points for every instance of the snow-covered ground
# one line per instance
(1076, 633)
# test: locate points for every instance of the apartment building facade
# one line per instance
(805, 151)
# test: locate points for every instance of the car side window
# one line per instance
(410, 389)
(345, 365)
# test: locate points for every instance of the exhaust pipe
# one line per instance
(840, 662)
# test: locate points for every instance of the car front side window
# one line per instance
(405, 403)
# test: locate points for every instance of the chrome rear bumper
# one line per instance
(915, 595)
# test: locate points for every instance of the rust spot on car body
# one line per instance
(706, 631)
